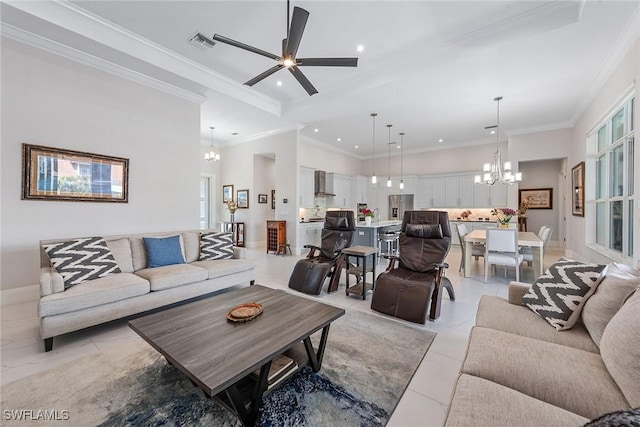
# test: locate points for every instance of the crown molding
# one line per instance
(80, 21)
(34, 40)
(542, 128)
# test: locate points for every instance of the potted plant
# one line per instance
(503, 216)
(368, 216)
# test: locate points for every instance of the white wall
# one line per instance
(51, 101)
(238, 168)
(625, 76)
(320, 157)
(264, 180)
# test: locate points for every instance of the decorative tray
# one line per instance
(244, 312)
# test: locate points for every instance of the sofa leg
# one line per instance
(251, 283)
(48, 344)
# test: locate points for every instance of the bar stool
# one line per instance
(390, 238)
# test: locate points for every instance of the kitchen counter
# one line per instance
(378, 224)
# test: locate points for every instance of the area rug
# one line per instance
(367, 365)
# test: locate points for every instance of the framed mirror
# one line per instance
(50, 173)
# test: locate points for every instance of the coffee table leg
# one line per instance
(249, 417)
(315, 357)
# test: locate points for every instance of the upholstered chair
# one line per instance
(414, 279)
(501, 248)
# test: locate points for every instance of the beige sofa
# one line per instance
(520, 371)
(136, 288)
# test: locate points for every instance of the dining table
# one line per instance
(526, 239)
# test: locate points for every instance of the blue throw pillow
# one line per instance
(163, 251)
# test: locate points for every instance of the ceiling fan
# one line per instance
(289, 49)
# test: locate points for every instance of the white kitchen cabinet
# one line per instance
(359, 189)
(310, 234)
(439, 193)
(306, 187)
(409, 186)
(481, 196)
(340, 185)
(459, 191)
(424, 193)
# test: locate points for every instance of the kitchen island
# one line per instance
(367, 235)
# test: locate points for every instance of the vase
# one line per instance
(367, 220)
(500, 225)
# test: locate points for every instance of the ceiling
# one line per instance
(430, 68)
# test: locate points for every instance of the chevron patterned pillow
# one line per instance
(80, 260)
(559, 294)
(216, 246)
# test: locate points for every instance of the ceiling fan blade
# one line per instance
(298, 22)
(302, 79)
(264, 75)
(327, 62)
(227, 40)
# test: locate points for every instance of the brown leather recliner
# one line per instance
(405, 291)
(309, 274)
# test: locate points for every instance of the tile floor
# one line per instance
(423, 404)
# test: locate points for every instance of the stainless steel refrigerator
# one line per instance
(398, 203)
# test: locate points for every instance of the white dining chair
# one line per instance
(545, 236)
(478, 248)
(501, 248)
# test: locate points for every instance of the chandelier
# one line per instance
(212, 155)
(497, 171)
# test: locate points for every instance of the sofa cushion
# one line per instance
(216, 246)
(163, 251)
(170, 276)
(93, 293)
(620, 348)
(628, 418)
(618, 283)
(191, 240)
(138, 250)
(573, 379)
(224, 267)
(497, 313)
(82, 259)
(559, 294)
(121, 251)
(481, 403)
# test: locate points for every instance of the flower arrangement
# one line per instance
(524, 207)
(503, 216)
(368, 212)
(466, 214)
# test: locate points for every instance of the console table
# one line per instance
(237, 229)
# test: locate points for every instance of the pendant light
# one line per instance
(212, 155)
(389, 162)
(497, 171)
(374, 180)
(401, 157)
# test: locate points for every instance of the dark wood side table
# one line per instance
(360, 253)
(276, 235)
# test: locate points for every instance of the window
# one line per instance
(205, 220)
(613, 196)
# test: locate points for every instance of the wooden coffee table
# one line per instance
(219, 356)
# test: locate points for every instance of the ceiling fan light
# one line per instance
(288, 62)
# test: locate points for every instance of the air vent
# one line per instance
(201, 41)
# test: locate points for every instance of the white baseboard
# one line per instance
(19, 295)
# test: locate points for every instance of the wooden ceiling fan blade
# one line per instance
(264, 75)
(296, 29)
(302, 79)
(235, 43)
(327, 62)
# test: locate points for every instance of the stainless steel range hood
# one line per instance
(320, 184)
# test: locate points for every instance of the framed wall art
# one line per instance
(50, 173)
(273, 199)
(537, 198)
(227, 193)
(262, 198)
(242, 199)
(577, 189)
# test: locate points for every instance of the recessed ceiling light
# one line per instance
(356, 146)
(279, 83)
(441, 140)
(398, 146)
(360, 48)
(315, 130)
(493, 132)
(339, 139)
